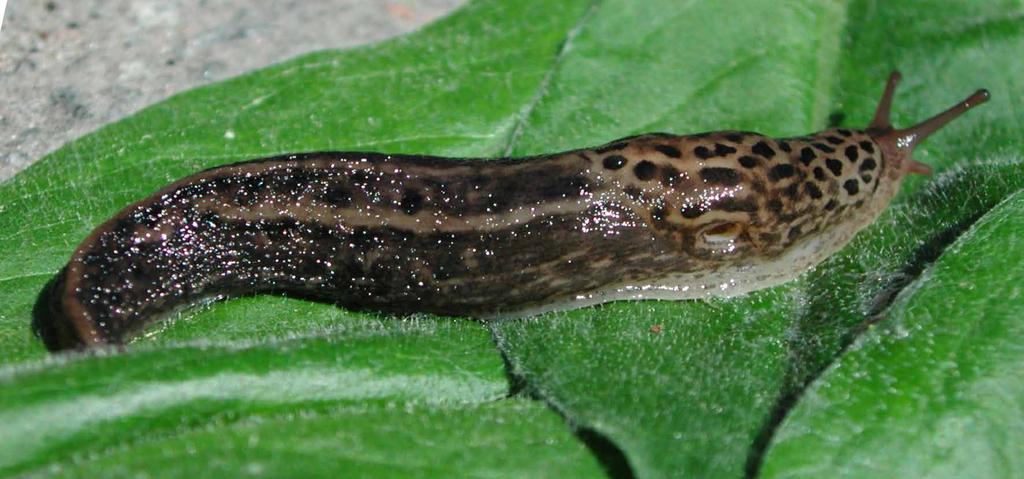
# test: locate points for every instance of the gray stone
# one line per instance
(68, 67)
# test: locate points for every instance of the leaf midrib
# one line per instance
(545, 83)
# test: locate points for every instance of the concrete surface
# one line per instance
(68, 67)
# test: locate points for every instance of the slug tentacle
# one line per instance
(649, 216)
(883, 112)
(898, 144)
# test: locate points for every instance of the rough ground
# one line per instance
(68, 67)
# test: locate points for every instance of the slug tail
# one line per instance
(50, 323)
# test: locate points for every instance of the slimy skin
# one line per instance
(652, 216)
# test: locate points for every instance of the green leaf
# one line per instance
(371, 440)
(611, 378)
(666, 389)
(405, 398)
(935, 390)
(410, 398)
(682, 388)
(414, 94)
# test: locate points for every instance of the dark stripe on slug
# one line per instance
(338, 194)
(240, 191)
(720, 176)
(757, 186)
(670, 176)
(633, 193)
(794, 233)
(292, 182)
(407, 161)
(807, 156)
(851, 186)
(748, 161)
(762, 148)
(724, 150)
(780, 171)
(360, 178)
(819, 173)
(150, 216)
(467, 192)
(645, 170)
(478, 180)
(835, 166)
(412, 202)
(318, 261)
(812, 190)
(851, 153)
(580, 184)
(614, 162)
(658, 213)
(792, 191)
(692, 211)
(619, 145)
(731, 204)
(669, 151)
(528, 190)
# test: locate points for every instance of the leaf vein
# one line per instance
(545, 84)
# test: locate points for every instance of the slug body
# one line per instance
(651, 216)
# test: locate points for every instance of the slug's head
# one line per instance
(898, 144)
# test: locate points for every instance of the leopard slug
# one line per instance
(650, 216)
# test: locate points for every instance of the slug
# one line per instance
(650, 216)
